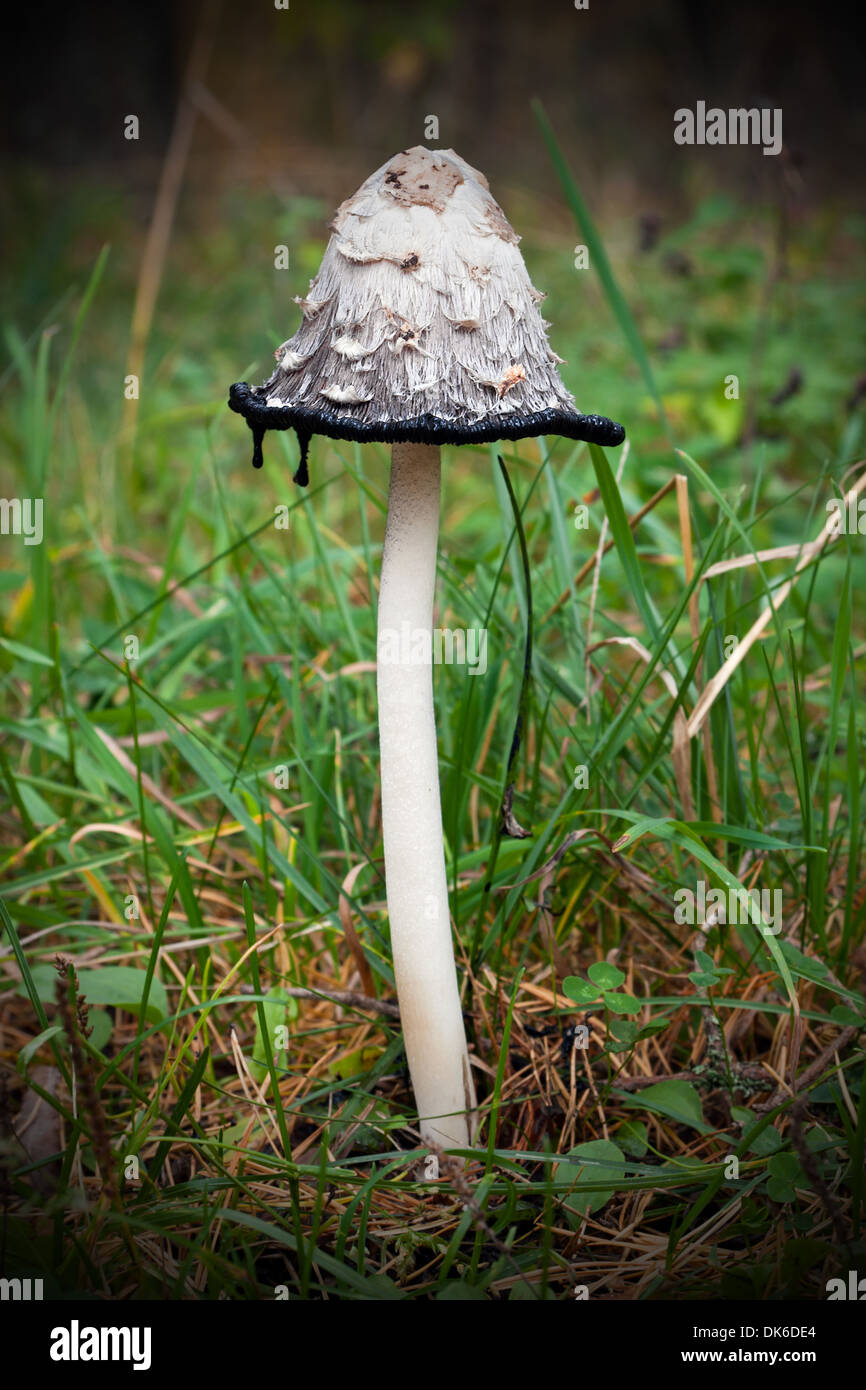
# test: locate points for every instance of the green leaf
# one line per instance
(25, 653)
(355, 1063)
(122, 986)
(586, 1166)
(275, 1012)
(605, 976)
(806, 966)
(623, 1030)
(623, 1003)
(849, 1018)
(707, 981)
(102, 1025)
(786, 1167)
(707, 965)
(632, 1136)
(578, 991)
(780, 1191)
(653, 1025)
(769, 1141)
(678, 1100)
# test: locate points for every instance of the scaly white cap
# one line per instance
(422, 324)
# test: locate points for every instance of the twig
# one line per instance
(350, 997)
(809, 1164)
(814, 1069)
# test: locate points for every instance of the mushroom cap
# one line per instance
(421, 324)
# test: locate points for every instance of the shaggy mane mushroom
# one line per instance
(421, 328)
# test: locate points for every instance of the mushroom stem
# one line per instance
(417, 887)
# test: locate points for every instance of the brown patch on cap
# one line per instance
(499, 223)
(479, 273)
(417, 176)
(407, 336)
(516, 372)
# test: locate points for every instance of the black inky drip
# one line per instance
(302, 476)
(258, 436)
(302, 473)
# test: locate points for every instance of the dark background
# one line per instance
(299, 94)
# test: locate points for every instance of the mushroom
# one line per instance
(422, 264)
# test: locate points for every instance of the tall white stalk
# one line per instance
(416, 883)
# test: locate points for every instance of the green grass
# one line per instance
(192, 813)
